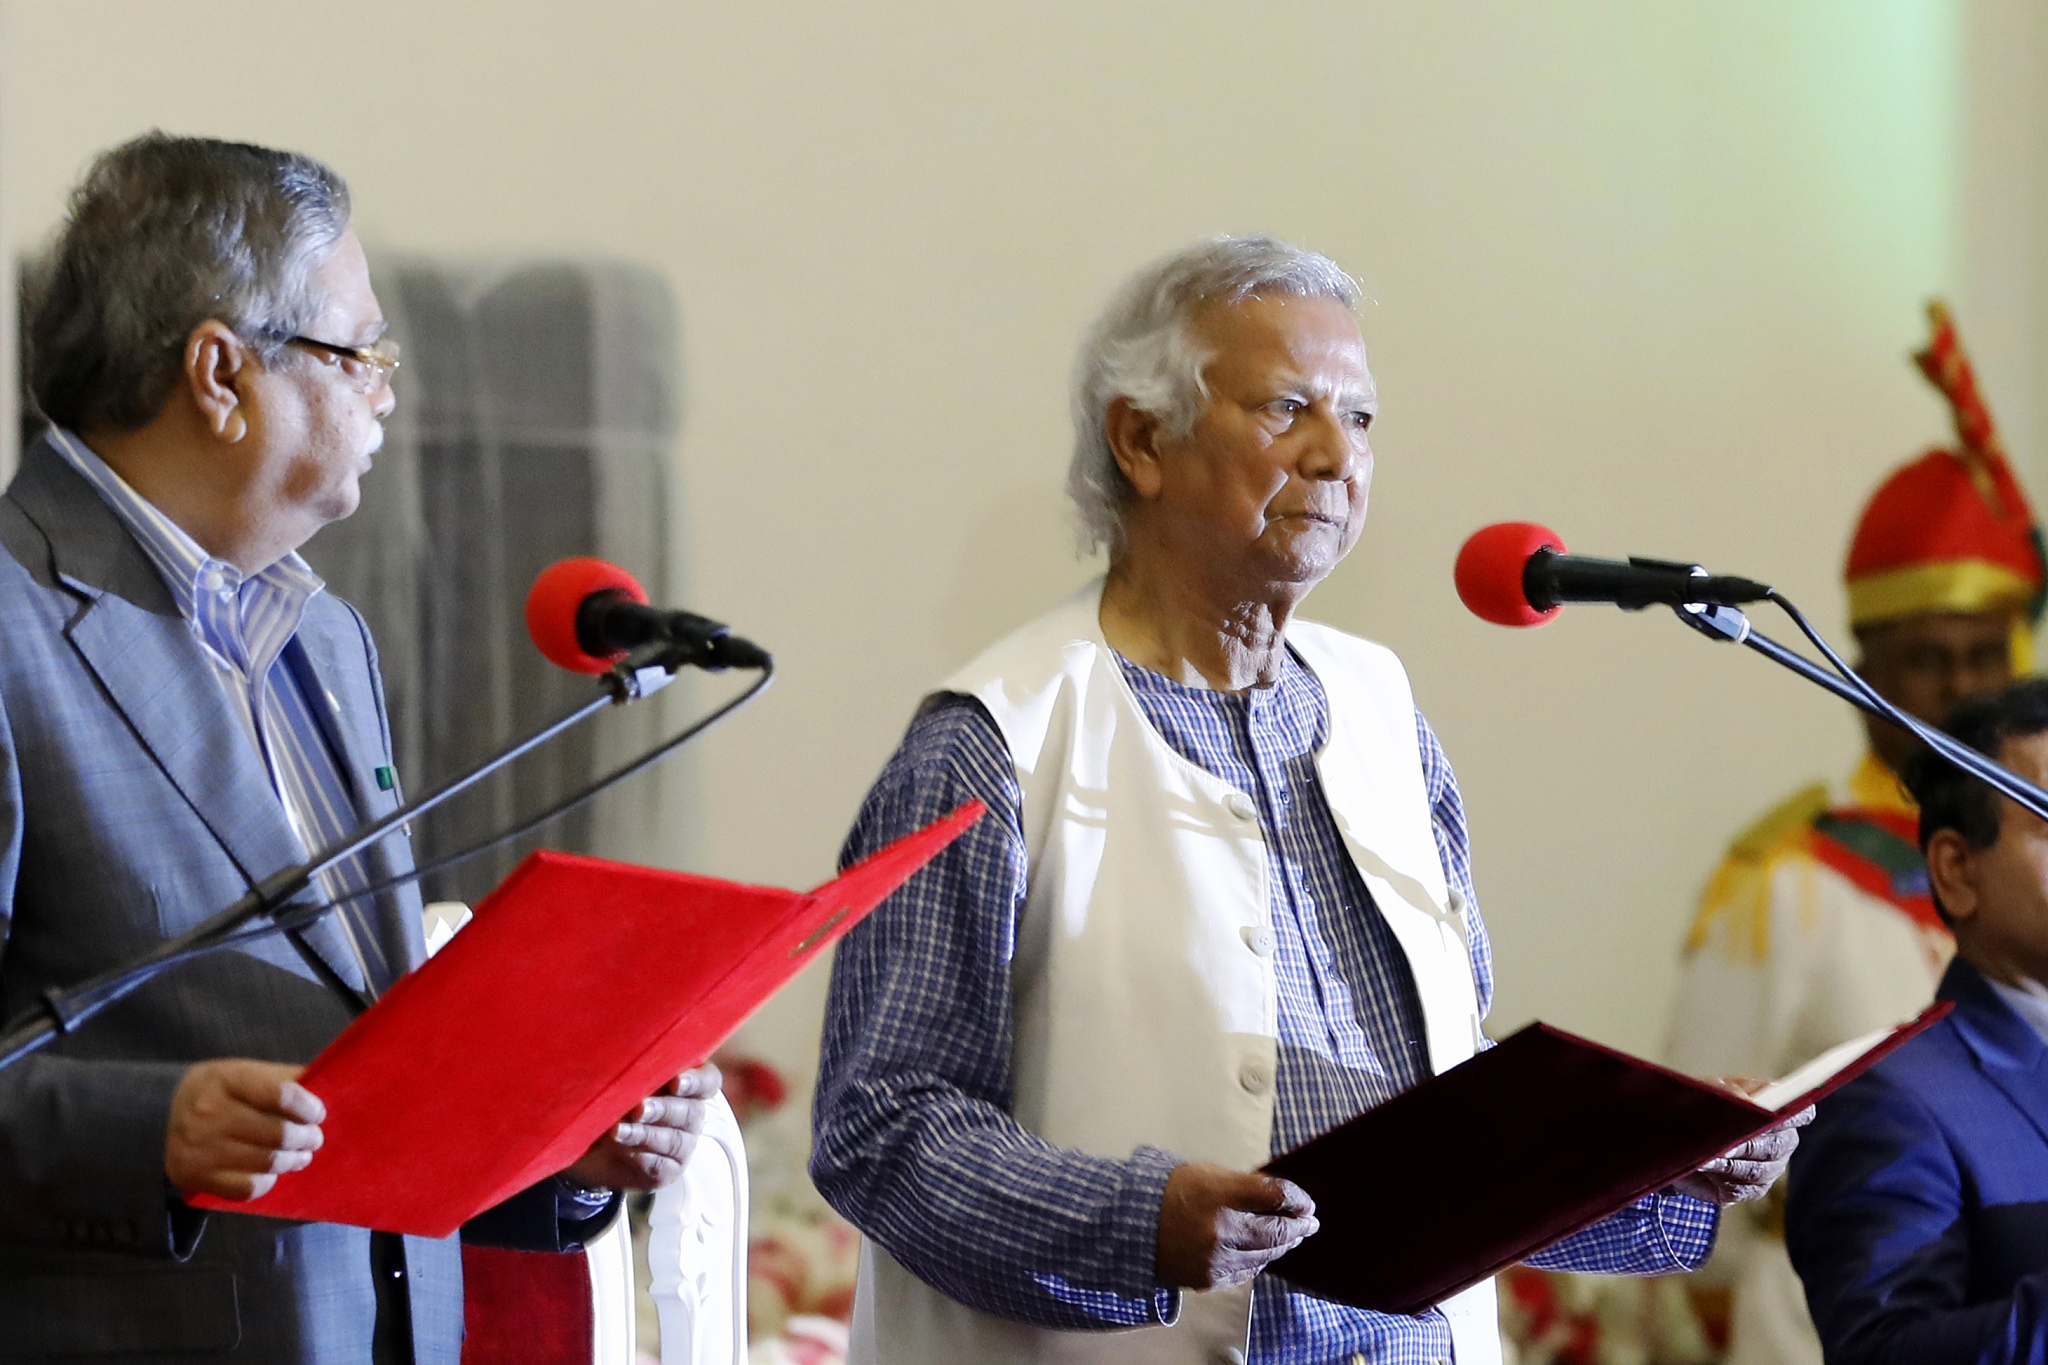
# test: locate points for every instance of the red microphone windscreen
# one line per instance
(551, 605)
(1489, 571)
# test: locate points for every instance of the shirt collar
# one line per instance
(1146, 680)
(186, 567)
(2029, 1000)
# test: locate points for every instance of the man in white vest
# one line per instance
(1220, 904)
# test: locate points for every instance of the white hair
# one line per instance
(1143, 350)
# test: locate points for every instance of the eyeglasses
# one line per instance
(365, 366)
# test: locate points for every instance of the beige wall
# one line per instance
(1645, 272)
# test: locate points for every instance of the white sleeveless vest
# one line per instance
(1145, 1000)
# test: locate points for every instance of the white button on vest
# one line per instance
(1240, 805)
(1253, 1078)
(1258, 939)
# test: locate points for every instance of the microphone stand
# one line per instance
(1729, 626)
(62, 1010)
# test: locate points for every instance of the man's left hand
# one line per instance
(649, 1147)
(1750, 1170)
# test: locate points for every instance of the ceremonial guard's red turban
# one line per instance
(1950, 531)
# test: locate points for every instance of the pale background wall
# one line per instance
(1648, 273)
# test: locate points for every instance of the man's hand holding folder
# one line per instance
(1749, 1171)
(238, 1124)
(649, 1146)
(1219, 1227)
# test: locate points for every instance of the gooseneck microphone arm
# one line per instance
(276, 897)
(1728, 625)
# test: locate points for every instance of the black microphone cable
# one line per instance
(1982, 766)
(1846, 683)
(565, 805)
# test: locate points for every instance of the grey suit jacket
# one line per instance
(131, 807)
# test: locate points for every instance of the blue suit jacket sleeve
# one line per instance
(1879, 1223)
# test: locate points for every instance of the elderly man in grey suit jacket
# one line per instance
(182, 712)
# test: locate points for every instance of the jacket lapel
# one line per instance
(159, 677)
(338, 696)
(2012, 1056)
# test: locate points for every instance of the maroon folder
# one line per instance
(1499, 1157)
(580, 987)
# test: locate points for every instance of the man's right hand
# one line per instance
(237, 1125)
(1219, 1227)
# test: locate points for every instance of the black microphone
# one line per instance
(585, 615)
(1550, 579)
(609, 621)
(1516, 573)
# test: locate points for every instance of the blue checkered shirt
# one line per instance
(914, 1139)
(244, 622)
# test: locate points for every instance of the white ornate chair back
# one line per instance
(697, 1250)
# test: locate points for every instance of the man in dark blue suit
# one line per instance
(1918, 1209)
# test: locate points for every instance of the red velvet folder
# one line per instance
(580, 987)
(1499, 1157)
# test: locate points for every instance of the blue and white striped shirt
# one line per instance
(914, 1139)
(244, 622)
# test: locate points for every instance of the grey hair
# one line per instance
(1144, 351)
(165, 233)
